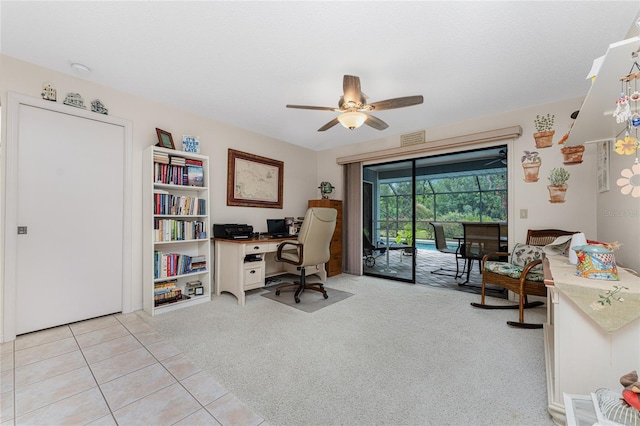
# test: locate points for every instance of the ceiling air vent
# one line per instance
(413, 138)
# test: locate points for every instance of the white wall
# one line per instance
(618, 216)
(300, 173)
(577, 213)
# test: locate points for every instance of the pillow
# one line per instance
(523, 254)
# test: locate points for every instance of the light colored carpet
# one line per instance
(391, 354)
(310, 301)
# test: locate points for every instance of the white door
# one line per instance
(70, 192)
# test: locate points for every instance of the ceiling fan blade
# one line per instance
(311, 107)
(329, 125)
(351, 88)
(397, 103)
(375, 122)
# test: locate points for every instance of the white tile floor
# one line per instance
(113, 370)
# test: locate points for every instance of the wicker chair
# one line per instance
(521, 274)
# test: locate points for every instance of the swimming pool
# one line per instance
(430, 245)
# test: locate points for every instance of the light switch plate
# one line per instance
(524, 213)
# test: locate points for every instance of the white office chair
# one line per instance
(311, 248)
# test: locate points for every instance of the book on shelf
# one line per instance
(171, 264)
(195, 176)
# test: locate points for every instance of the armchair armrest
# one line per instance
(527, 268)
(494, 254)
(299, 248)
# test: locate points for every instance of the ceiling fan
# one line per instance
(502, 157)
(354, 109)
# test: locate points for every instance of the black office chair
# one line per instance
(311, 248)
(441, 246)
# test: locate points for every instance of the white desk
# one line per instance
(235, 276)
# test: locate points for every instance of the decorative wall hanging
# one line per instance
(49, 93)
(626, 104)
(544, 130)
(630, 181)
(98, 106)
(74, 100)
(254, 181)
(531, 163)
(557, 187)
(572, 154)
(603, 149)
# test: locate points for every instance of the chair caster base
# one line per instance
(326, 296)
(297, 299)
(277, 292)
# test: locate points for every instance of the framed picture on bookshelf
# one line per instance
(165, 139)
(254, 181)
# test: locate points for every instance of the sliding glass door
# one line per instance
(400, 199)
(388, 221)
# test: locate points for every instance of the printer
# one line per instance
(232, 231)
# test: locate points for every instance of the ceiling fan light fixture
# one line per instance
(352, 119)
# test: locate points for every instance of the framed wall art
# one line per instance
(604, 150)
(254, 181)
(165, 139)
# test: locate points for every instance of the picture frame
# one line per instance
(165, 139)
(254, 181)
(603, 159)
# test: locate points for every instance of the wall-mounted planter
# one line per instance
(544, 139)
(572, 154)
(557, 193)
(531, 171)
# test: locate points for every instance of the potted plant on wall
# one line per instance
(572, 154)
(544, 130)
(531, 162)
(558, 178)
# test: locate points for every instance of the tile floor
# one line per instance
(112, 370)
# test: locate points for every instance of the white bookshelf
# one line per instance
(180, 229)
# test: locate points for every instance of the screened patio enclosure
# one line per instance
(401, 198)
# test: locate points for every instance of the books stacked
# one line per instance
(173, 264)
(166, 292)
(160, 157)
(177, 161)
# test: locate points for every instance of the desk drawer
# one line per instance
(256, 248)
(253, 275)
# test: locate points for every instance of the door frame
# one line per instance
(10, 202)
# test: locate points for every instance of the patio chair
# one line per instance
(441, 246)
(521, 273)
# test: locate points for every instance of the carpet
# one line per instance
(310, 301)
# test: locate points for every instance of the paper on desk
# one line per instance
(558, 246)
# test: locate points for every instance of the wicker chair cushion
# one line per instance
(523, 254)
(512, 271)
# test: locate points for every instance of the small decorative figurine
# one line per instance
(74, 100)
(49, 93)
(97, 106)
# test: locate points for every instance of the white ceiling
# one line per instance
(241, 62)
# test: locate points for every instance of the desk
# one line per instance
(235, 276)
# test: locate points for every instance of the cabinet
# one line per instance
(334, 265)
(587, 349)
(177, 251)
